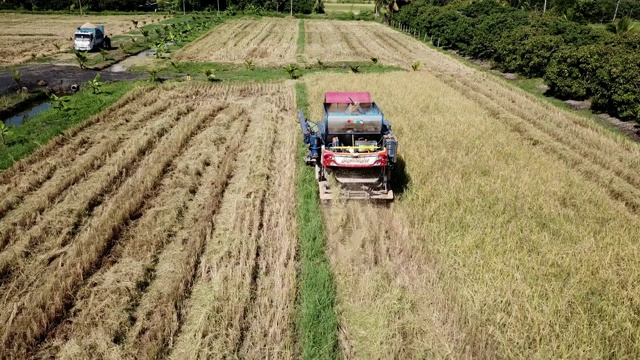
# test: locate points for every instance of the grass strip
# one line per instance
(318, 319)
(31, 135)
(239, 72)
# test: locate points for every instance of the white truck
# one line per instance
(89, 37)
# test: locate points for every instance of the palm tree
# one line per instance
(616, 12)
(621, 26)
(389, 5)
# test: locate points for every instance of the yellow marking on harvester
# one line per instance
(363, 147)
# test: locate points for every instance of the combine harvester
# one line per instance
(354, 145)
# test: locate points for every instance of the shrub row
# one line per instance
(577, 61)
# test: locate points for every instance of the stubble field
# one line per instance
(155, 230)
(264, 41)
(22, 35)
(334, 40)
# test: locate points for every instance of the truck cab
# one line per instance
(89, 37)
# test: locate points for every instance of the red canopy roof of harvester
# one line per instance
(343, 97)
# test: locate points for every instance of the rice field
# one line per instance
(152, 229)
(262, 42)
(516, 237)
(342, 8)
(167, 226)
(26, 36)
(334, 40)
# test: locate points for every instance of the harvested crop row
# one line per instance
(267, 329)
(117, 283)
(103, 312)
(517, 252)
(23, 170)
(266, 41)
(331, 40)
(35, 247)
(53, 33)
(220, 317)
(30, 173)
(35, 312)
(97, 150)
(158, 314)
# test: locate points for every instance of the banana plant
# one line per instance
(145, 33)
(293, 71)
(96, 84)
(153, 75)
(171, 37)
(81, 58)
(4, 132)
(105, 55)
(17, 77)
(210, 75)
(60, 103)
(161, 48)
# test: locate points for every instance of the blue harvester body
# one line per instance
(354, 144)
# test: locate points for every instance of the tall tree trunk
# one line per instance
(616, 12)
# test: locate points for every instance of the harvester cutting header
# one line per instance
(354, 145)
